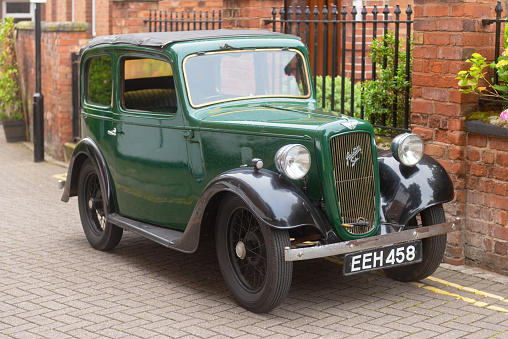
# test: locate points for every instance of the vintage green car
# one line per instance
(218, 132)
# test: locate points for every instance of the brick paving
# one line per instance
(54, 285)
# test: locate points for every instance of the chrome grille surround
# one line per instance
(353, 170)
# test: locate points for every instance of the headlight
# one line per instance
(408, 148)
(293, 160)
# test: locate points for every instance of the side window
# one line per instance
(98, 87)
(148, 86)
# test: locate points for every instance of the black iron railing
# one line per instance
(338, 41)
(170, 21)
(500, 38)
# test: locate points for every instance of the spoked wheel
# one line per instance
(433, 248)
(251, 257)
(92, 210)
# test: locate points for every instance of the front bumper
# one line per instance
(320, 251)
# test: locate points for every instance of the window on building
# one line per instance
(19, 10)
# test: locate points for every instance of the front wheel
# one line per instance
(251, 257)
(101, 235)
(433, 248)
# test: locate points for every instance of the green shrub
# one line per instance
(377, 97)
(10, 104)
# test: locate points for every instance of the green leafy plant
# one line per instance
(390, 85)
(475, 79)
(337, 94)
(376, 97)
(10, 104)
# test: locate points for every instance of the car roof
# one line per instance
(163, 39)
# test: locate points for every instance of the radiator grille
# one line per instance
(354, 179)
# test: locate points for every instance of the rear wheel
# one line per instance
(251, 257)
(433, 248)
(101, 235)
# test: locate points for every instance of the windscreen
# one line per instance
(232, 75)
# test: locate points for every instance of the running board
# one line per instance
(161, 235)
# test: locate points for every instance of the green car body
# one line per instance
(166, 172)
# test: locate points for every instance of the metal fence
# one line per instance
(500, 38)
(171, 21)
(339, 41)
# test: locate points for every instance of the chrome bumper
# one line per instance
(305, 253)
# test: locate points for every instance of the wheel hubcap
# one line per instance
(241, 252)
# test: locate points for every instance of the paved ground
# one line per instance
(54, 285)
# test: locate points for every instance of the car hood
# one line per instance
(279, 118)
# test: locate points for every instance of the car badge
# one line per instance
(353, 156)
(351, 124)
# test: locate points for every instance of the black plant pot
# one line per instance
(14, 130)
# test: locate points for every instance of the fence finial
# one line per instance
(397, 11)
(375, 11)
(409, 11)
(498, 9)
(315, 12)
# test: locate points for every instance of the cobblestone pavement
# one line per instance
(54, 285)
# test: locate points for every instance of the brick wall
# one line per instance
(486, 236)
(128, 17)
(59, 40)
(445, 35)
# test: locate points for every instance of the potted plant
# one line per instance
(11, 111)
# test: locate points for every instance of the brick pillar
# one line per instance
(129, 16)
(446, 34)
(59, 40)
(249, 14)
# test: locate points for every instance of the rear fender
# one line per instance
(87, 149)
(406, 191)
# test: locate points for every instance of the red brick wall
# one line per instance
(486, 236)
(128, 17)
(445, 35)
(56, 81)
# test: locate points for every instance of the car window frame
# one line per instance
(120, 63)
(86, 81)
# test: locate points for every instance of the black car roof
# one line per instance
(162, 39)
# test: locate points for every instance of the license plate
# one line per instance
(383, 257)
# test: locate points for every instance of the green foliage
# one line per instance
(378, 96)
(99, 81)
(10, 104)
(337, 94)
(474, 80)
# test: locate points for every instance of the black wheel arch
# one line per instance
(406, 191)
(272, 198)
(87, 149)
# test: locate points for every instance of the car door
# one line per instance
(151, 174)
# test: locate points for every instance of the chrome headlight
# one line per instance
(293, 160)
(408, 148)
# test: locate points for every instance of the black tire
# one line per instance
(433, 249)
(101, 235)
(251, 257)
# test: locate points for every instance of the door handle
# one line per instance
(112, 132)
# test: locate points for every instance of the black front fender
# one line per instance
(274, 199)
(406, 191)
(87, 149)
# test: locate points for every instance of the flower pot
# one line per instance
(14, 130)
